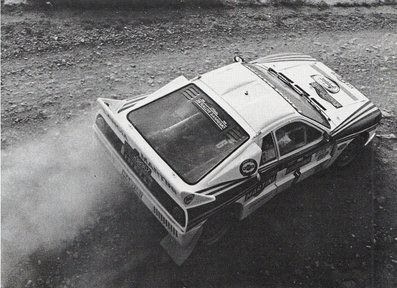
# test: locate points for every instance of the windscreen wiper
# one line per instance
(299, 91)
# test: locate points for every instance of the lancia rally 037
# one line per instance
(201, 152)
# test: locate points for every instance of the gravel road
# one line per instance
(69, 221)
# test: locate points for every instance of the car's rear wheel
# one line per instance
(216, 227)
(351, 152)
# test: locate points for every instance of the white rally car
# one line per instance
(202, 152)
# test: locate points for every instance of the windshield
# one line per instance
(298, 101)
(189, 131)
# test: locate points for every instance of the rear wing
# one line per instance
(110, 105)
(118, 106)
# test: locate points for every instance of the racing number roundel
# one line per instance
(248, 167)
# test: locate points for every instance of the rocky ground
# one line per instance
(338, 229)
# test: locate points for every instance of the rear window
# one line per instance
(189, 131)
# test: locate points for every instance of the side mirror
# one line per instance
(238, 59)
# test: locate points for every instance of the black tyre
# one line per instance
(350, 152)
(217, 227)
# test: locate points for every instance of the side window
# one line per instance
(294, 136)
(268, 149)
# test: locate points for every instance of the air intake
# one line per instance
(190, 92)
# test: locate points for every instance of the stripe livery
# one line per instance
(130, 103)
(286, 57)
(364, 111)
(254, 99)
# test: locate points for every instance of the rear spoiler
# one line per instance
(131, 102)
(110, 105)
(118, 106)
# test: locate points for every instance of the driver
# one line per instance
(283, 140)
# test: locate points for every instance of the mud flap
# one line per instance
(178, 253)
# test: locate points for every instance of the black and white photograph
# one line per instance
(198, 143)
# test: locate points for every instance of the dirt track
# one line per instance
(335, 230)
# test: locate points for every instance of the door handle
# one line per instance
(297, 173)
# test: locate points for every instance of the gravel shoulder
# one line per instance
(335, 230)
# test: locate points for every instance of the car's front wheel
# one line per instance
(351, 152)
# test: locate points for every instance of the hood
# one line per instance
(338, 98)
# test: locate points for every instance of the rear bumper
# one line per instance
(174, 229)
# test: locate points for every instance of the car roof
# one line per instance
(252, 98)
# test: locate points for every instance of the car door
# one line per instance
(267, 174)
(302, 149)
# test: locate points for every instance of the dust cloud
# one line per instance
(50, 187)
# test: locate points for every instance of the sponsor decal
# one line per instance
(263, 183)
(323, 94)
(248, 167)
(342, 80)
(131, 157)
(211, 113)
(155, 171)
(222, 143)
(327, 83)
(188, 199)
(141, 166)
(132, 184)
(297, 163)
(347, 91)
